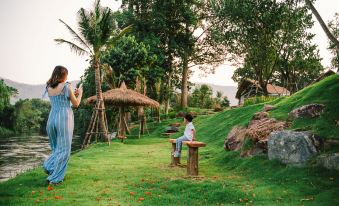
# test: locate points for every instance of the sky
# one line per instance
(28, 53)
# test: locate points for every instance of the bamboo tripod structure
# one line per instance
(93, 127)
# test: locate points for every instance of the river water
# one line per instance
(18, 154)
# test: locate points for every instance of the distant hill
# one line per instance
(28, 91)
(228, 91)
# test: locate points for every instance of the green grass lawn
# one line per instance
(121, 174)
(107, 175)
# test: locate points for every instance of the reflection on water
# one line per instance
(18, 154)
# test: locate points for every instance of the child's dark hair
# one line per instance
(188, 117)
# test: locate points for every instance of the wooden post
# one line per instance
(193, 157)
(192, 161)
(175, 161)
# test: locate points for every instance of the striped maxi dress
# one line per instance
(59, 127)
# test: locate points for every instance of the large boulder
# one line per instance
(329, 161)
(235, 138)
(291, 147)
(307, 111)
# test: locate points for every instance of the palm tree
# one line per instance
(97, 34)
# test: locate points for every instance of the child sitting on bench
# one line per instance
(189, 135)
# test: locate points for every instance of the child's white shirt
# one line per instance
(188, 131)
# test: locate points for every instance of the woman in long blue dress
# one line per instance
(60, 123)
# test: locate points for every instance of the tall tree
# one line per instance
(262, 33)
(195, 45)
(98, 32)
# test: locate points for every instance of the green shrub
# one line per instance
(4, 132)
(259, 99)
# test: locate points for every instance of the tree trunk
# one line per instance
(169, 87)
(322, 24)
(100, 102)
(184, 89)
(141, 115)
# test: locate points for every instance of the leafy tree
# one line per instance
(263, 33)
(98, 32)
(225, 102)
(5, 94)
(42, 107)
(202, 96)
(128, 60)
(26, 118)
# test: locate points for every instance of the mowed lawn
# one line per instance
(138, 173)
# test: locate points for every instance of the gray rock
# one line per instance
(290, 147)
(307, 111)
(329, 161)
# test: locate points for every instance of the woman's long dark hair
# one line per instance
(58, 75)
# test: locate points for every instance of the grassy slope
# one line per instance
(103, 175)
(325, 92)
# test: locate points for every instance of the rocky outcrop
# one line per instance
(261, 126)
(307, 111)
(329, 161)
(291, 147)
(258, 131)
(235, 139)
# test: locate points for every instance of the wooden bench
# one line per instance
(192, 158)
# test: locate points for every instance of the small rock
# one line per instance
(172, 129)
(329, 161)
(290, 147)
(336, 122)
(307, 111)
(268, 108)
(235, 138)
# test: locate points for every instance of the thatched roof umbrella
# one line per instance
(123, 97)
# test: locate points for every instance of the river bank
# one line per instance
(21, 153)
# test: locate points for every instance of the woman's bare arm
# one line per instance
(75, 100)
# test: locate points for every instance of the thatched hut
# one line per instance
(123, 98)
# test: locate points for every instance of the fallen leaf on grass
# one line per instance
(37, 200)
(49, 188)
(331, 178)
(148, 193)
(33, 192)
(141, 199)
(58, 197)
(132, 193)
